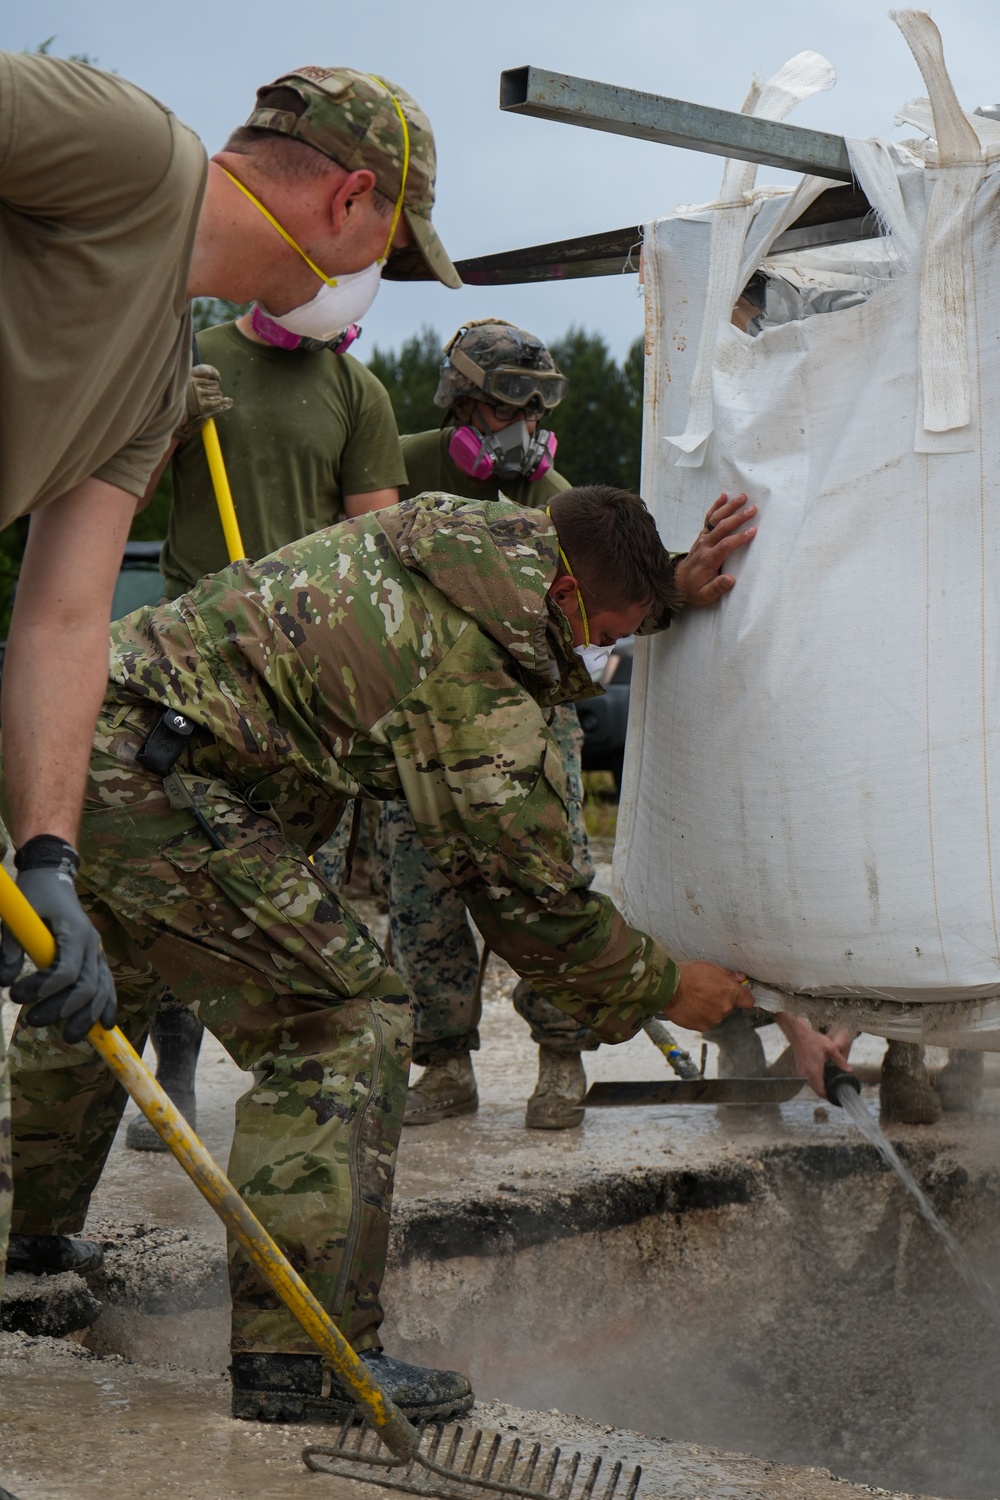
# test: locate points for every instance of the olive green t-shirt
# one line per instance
(100, 189)
(305, 429)
(429, 466)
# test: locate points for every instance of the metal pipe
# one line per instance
(672, 122)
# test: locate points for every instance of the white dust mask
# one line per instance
(335, 306)
(595, 659)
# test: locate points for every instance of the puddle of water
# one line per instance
(861, 1116)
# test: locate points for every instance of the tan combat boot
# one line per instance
(906, 1095)
(557, 1102)
(959, 1084)
(442, 1090)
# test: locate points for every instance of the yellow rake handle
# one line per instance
(223, 494)
(121, 1057)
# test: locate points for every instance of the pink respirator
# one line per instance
(511, 453)
(273, 333)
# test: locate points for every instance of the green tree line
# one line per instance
(598, 424)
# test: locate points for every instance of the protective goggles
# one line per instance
(398, 209)
(512, 385)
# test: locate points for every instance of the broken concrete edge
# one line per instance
(518, 1216)
(48, 1305)
(159, 1270)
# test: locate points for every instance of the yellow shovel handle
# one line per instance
(121, 1057)
(223, 494)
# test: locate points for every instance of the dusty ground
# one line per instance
(75, 1425)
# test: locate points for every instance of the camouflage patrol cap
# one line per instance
(495, 359)
(351, 118)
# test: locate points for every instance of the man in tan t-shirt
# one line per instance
(110, 220)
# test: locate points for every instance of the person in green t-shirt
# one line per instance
(497, 386)
(309, 439)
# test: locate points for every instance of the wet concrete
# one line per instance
(741, 1278)
(77, 1427)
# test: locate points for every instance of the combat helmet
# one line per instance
(493, 360)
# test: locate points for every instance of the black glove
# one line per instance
(78, 987)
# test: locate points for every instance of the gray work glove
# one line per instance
(203, 399)
(78, 987)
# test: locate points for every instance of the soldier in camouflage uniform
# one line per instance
(310, 437)
(497, 385)
(411, 654)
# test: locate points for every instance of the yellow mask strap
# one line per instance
(269, 216)
(579, 597)
(406, 165)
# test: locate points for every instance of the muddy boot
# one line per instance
(176, 1035)
(300, 1388)
(443, 1089)
(557, 1102)
(51, 1254)
(906, 1095)
(959, 1085)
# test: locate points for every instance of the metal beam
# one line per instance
(672, 122)
(839, 214)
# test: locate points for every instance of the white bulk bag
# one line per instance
(812, 784)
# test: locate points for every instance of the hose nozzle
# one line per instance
(835, 1079)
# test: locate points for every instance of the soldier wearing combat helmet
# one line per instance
(497, 386)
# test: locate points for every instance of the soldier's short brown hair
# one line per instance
(613, 547)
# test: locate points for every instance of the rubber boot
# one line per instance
(443, 1089)
(906, 1095)
(51, 1254)
(176, 1035)
(959, 1085)
(557, 1103)
(301, 1388)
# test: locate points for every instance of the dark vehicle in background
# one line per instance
(139, 582)
(605, 720)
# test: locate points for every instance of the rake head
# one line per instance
(458, 1465)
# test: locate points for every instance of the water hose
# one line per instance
(398, 1434)
(682, 1062)
(835, 1079)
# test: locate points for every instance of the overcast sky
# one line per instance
(505, 181)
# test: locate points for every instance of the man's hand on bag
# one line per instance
(699, 575)
(203, 399)
(706, 995)
(77, 988)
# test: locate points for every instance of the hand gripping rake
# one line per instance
(421, 1473)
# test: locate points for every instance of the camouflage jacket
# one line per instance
(411, 653)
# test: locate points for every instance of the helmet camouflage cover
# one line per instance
(496, 361)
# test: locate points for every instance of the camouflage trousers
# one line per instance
(433, 947)
(330, 860)
(264, 950)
